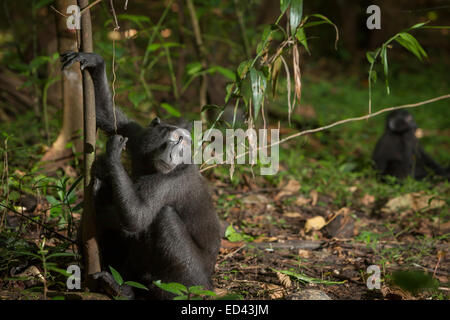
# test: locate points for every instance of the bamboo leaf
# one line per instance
(116, 275)
(370, 57)
(258, 82)
(275, 73)
(411, 44)
(171, 110)
(243, 68)
(173, 287)
(328, 21)
(385, 67)
(284, 4)
(301, 37)
(136, 285)
(295, 14)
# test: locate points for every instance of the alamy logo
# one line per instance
(73, 20)
(374, 20)
(74, 281)
(373, 282)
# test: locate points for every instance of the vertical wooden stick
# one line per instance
(89, 240)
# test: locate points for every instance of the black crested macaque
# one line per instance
(158, 223)
(398, 153)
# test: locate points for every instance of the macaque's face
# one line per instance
(400, 121)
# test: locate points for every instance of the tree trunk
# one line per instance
(72, 97)
(88, 236)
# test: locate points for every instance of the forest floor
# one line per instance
(273, 255)
(310, 231)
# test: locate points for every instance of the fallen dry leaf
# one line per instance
(301, 201)
(265, 239)
(275, 291)
(255, 199)
(292, 215)
(315, 223)
(413, 201)
(289, 189)
(304, 253)
(285, 280)
(314, 196)
(367, 200)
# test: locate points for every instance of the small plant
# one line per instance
(306, 279)
(192, 293)
(118, 278)
(232, 235)
(43, 256)
(183, 293)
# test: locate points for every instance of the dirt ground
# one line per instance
(333, 259)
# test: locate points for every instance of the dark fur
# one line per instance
(151, 225)
(398, 153)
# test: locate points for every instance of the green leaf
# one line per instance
(223, 71)
(414, 281)
(275, 74)
(232, 235)
(373, 76)
(295, 14)
(58, 270)
(384, 61)
(116, 275)
(193, 68)
(411, 44)
(265, 39)
(306, 279)
(230, 90)
(258, 82)
(301, 37)
(418, 25)
(210, 106)
(243, 68)
(42, 3)
(324, 20)
(61, 254)
(198, 290)
(370, 57)
(52, 200)
(78, 207)
(72, 188)
(171, 110)
(136, 285)
(284, 4)
(173, 287)
(29, 254)
(136, 97)
(155, 46)
(38, 61)
(137, 19)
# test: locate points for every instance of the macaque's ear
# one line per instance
(155, 122)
